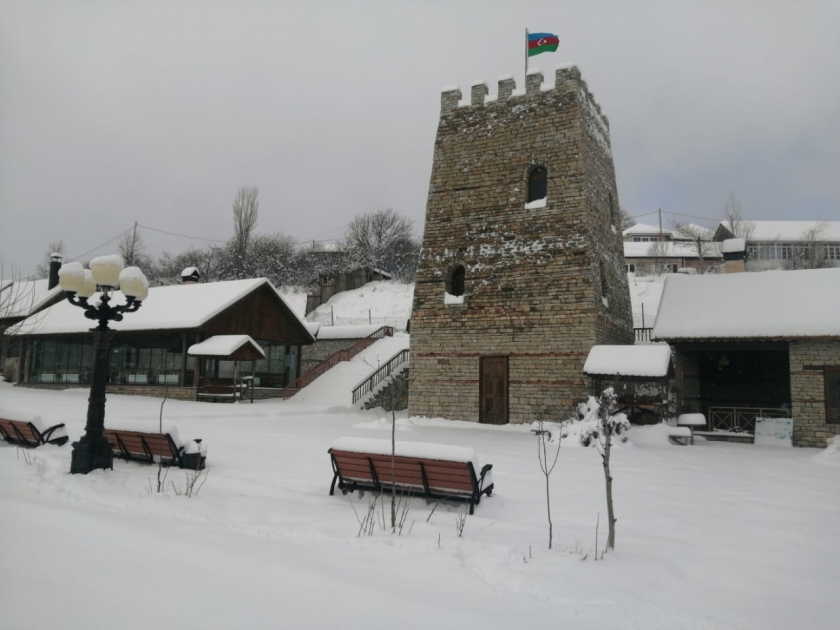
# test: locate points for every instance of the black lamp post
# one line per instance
(93, 451)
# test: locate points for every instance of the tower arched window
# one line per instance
(537, 184)
(456, 281)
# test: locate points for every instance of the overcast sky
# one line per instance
(113, 112)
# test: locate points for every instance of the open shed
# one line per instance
(221, 369)
(757, 345)
(640, 375)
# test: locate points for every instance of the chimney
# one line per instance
(734, 255)
(55, 265)
(190, 275)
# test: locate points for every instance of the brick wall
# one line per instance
(807, 390)
(535, 278)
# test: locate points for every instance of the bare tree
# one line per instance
(810, 252)
(246, 208)
(738, 226)
(700, 238)
(659, 253)
(609, 423)
(43, 268)
(378, 239)
(626, 220)
(17, 297)
(132, 248)
(547, 467)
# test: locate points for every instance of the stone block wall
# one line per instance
(807, 390)
(535, 278)
(12, 368)
(158, 391)
(313, 354)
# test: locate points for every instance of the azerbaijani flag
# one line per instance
(542, 42)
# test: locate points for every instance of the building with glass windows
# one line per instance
(149, 351)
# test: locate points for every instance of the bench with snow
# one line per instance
(683, 433)
(30, 431)
(152, 448)
(433, 471)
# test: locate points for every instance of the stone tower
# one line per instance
(522, 268)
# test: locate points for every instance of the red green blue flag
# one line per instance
(542, 42)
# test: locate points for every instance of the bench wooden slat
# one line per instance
(421, 476)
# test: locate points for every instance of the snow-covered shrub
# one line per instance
(584, 427)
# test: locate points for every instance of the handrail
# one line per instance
(368, 385)
(643, 334)
(334, 359)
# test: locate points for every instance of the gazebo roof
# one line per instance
(231, 347)
(648, 361)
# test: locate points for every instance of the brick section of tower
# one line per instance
(533, 287)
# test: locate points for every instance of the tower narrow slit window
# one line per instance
(537, 184)
(456, 281)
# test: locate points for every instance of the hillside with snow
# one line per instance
(645, 293)
(384, 302)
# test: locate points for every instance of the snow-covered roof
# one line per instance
(647, 360)
(171, 307)
(790, 230)
(732, 245)
(758, 305)
(223, 346)
(669, 249)
(24, 297)
(644, 228)
(346, 332)
(690, 231)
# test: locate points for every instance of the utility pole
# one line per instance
(660, 224)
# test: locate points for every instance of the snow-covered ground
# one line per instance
(387, 303)
(712, 536)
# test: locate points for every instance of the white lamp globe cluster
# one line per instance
(108, 272)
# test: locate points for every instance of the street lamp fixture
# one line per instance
(108, 273)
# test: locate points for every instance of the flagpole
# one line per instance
(526, 54)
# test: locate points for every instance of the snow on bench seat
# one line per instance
(691, 420)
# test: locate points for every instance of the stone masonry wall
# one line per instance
(533, 286)
(807, 390)
(176, 393)
(313, 354)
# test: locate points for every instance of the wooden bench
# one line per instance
(152, 448)
(681, 436)
(30, 434)
(362, 464)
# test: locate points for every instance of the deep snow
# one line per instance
(712, 536)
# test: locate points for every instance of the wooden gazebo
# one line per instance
(641, 376)
(220, 374)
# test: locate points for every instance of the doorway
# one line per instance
(493, 390)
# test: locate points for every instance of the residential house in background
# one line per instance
(651, 251)
(787, 244)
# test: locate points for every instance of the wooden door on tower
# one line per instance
(493, 392)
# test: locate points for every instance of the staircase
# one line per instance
(380, 379)
(334, 359)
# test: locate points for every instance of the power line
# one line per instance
(103, 244)
(195, 238)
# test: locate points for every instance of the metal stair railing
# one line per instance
(370, 383)
(334, 359)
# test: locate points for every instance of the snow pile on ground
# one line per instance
(831, 453)
(645, 291)
(714, 536)
(384, 302)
